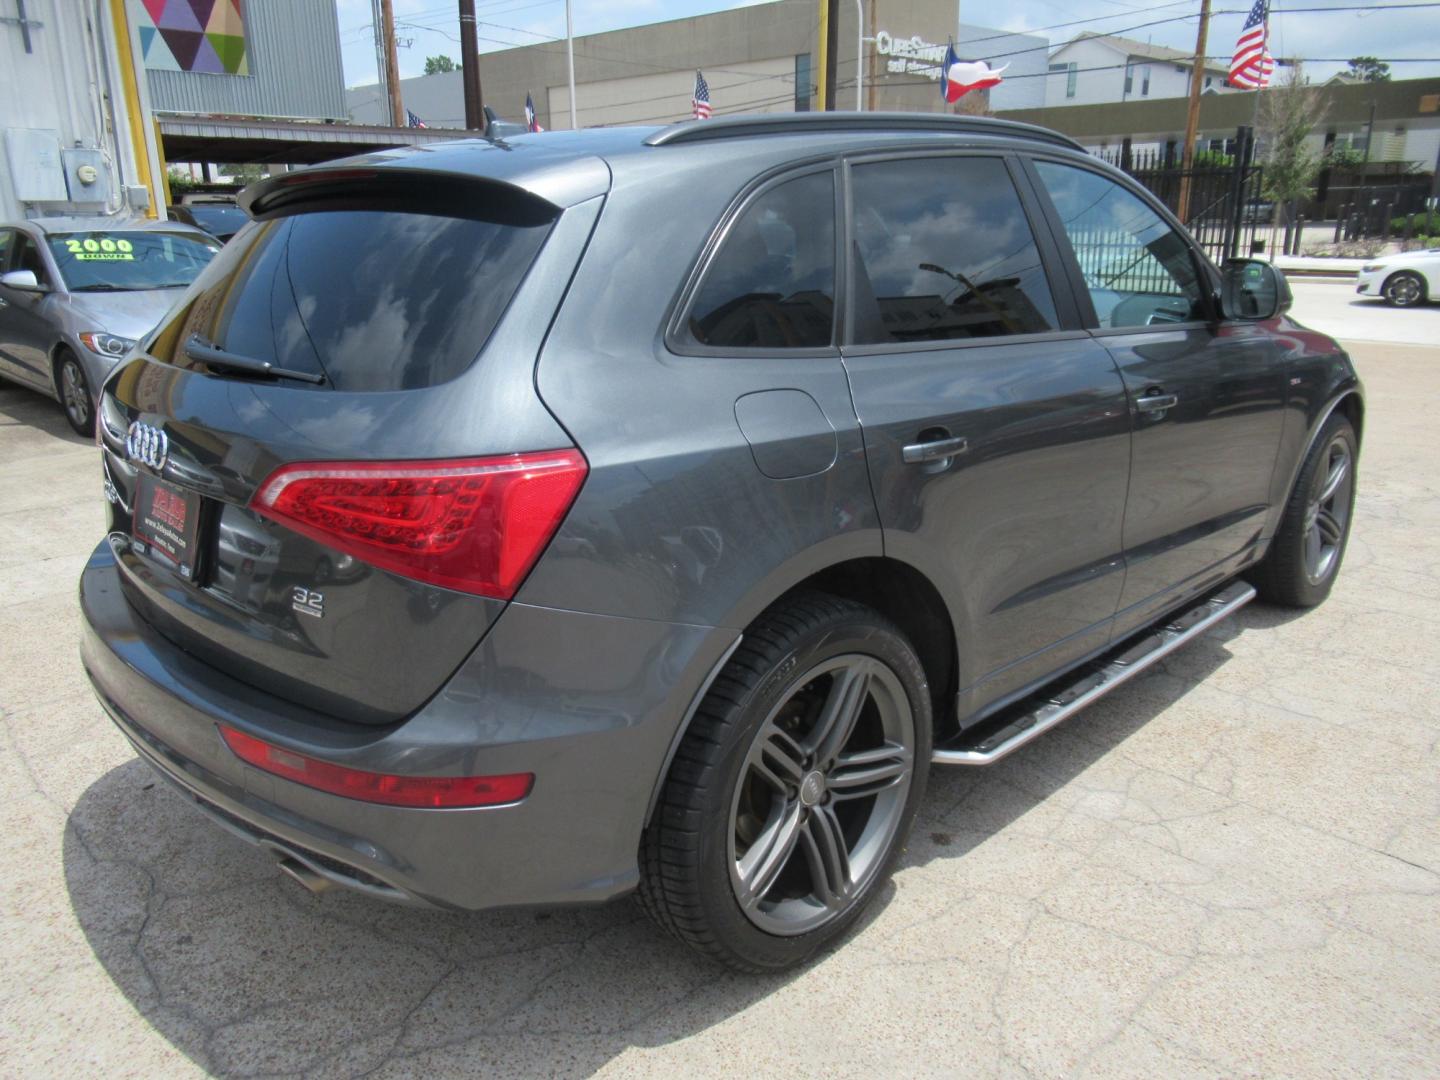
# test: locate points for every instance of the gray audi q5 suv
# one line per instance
(534, 521)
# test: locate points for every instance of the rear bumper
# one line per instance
(590, 704)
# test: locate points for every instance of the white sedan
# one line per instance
(1402, 280)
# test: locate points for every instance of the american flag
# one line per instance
(531, 123)
(700, 103)
(1252, 66)
(411, 120)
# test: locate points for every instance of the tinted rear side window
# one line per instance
(944, 251)
(772, 284)
(371, 299)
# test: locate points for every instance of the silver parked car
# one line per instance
(76, 293)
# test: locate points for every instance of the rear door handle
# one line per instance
(936, 450)
(1156, 402)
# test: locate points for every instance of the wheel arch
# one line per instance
(898, 591)
(58, 350)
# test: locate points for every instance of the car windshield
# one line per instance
(130, 261)
(222, 219)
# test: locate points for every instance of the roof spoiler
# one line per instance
(836, 123)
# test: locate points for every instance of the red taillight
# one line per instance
(472, 524)
(434, 792)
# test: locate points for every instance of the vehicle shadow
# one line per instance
(245, 973)
(20, 406)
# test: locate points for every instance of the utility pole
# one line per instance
(470, 67)
(870, 88)
(1192, 117)
(392, 64)
(859, 55)
(832, 51)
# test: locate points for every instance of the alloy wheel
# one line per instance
(73, 392)
(821, 795)
(1403, 290)
(1328, 514)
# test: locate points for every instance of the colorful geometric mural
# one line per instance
(192, 35)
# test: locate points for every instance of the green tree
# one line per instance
(1289, 114)
(180, 181)
(1369, 69)
(243, 174)
(436, 64)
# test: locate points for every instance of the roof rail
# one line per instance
(738, 126)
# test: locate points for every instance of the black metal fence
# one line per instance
(1226, 209)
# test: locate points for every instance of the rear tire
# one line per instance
(1304, 558)
(74, 389)
(1404, 289)
(793, 791)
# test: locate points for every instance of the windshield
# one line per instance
(222, 219)
(130, 261)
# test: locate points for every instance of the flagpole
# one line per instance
(570, 63)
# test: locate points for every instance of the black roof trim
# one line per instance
(838, 123)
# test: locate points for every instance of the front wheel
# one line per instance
(75, 393)
(794, 789)
(1403, 289)
(1305, 556)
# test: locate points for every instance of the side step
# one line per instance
(990, 742)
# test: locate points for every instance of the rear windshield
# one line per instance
(220, 218)
(368, 299)
(130, 261)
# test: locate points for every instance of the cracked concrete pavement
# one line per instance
(1228, 868)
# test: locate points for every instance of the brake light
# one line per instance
(430, 792)
(474, 524)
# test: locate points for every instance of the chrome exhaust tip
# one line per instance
(298, 871)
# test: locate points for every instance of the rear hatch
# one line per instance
(328, 468)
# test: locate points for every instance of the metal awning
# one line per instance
(233, 141)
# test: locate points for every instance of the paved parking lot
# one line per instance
(1230, 867)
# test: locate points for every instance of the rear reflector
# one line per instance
(432, 792)
(472, 524)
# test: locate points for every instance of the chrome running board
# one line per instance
(989, 743)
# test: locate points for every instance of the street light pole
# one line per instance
(570, 63)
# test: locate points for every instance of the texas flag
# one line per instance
(958, 78)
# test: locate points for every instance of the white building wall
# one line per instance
(1107, 84)
(1026, 54)
(63, 95)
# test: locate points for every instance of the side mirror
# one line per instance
(24, 280)
(1254, 290)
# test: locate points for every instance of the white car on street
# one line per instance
(1403, 280)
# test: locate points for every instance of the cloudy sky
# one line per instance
(432, 26)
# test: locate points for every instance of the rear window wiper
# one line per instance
(197, 348)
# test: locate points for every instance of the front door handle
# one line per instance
(935, 450)
(1156, 402)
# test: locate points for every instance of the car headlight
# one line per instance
(107, 345)
(1370, 268)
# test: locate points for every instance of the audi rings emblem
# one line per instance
(148, 445)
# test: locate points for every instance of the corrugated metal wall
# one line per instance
(295, 68)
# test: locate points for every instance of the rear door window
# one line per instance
(772, 283)
(943, 251)
(376, 299)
